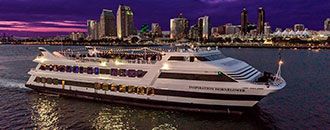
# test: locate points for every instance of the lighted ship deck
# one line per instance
(203, 81)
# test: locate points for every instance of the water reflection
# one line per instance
(45, 114)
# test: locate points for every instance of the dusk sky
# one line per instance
(54, 17)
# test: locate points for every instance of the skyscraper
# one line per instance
(179, 27)
(125, 22)
(107, 25)
(327, 24)
(156, 30)
(92, 29)
(244, 21)
(204, 27)
(261, 21)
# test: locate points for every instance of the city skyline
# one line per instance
(53, 18)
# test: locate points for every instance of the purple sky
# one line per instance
(52, 17)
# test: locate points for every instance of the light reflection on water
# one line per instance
(45, 113)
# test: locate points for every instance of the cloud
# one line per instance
(42, 26)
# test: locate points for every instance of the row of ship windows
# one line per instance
(200, 58)
(99, 86)
(95, 70)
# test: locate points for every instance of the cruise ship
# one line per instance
(188, 79)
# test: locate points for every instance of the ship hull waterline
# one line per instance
(153, 104)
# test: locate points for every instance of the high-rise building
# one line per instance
(125, 22)
(268, 29)
(203, 25)
(327, 24)
(299, 27)
(194, 33)
(156, 30)
(107, 24)
(92, 29)
(244, 21)
(261, 21)
(179, 27)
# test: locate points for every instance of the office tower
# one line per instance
(327, 24)
(244, 21)
(125, 22)
(107, 24)
(298, 27)
(156, 30)
(268, 29)
(179, 27)
(92, 29)
(194, 33)
(261, 21)
(203, 25)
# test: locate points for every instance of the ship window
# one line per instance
(49, 81)
(62, 68)
(47, 67)
(114, 72)
(113, 87)
(122, 72)
(105, 86)
(37, 80)
(192, 59)
(68, 69)
(42, 67)
(131, 73)
(141, 73)
(55, 67)
(55, 81)
(43, 80)
(150, 91)
(177, 58)
(141, 90)
(81, 69)
(89, 70)
(51, 68)
(97, 86)
(200, 58)
(200, 77)
(122, 88)
(131, 89)
(75, 69)
(96, 70)
(104, 71)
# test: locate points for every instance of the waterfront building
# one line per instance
(156, 30)
(107, 24)
(203, 25)
(194, 33)
(125, 22)
(261, 21)
(92, 29)
(244, 21)
(179, 27)
(299, 27)
(327, 24)
(268, 29)
(75, 36)
(231, 29)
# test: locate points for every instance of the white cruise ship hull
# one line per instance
(182, 86)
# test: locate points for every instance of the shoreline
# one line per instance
(205, 45)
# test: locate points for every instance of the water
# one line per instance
(303, 103)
